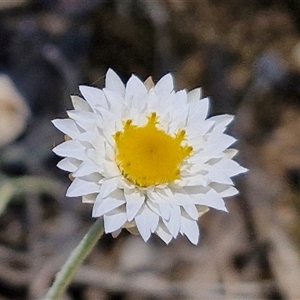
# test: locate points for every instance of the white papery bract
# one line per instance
(147, 157)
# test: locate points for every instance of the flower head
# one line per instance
(147, 157)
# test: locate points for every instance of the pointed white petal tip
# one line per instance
(165, 85)
(113, 82)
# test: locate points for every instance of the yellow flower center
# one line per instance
(149, 156)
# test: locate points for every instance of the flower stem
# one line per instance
(65, 275)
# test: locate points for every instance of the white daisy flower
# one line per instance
(147, 157)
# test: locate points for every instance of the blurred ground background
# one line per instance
(245, 55)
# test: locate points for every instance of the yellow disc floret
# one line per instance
(149, 156)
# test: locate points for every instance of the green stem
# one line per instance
(65, 275)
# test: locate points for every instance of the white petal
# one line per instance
(163, 191)
(69, 164)
(134, 201)
(111, 169)
(115, 102)
(86, 120)
(108, 185)
(95, 97)
(152, 218)
(211, 199)
(87, 167)
(113, 82)
(164, 233)
(81, 187)
(114, 220)
(219, 143)
(67, 126)
(110, 153)
(143, 224)
(135, 86)
(198, 128)
(191, 210)
(99, 144)
(217, 175)
(198, 159)
(164, 208)
(165, 85)
(153, 206)
(189, 228)
(195, 190)
(80, 104)
(221, 123)
(73, 149)
(103, 206)
(108, 117)
(173, 224)
(109, 130)
(179, 118)
(198, 111)
(230, 167)
(222, 120)
(194, 95)
(224, 190)
(198, 179)
(231, 191)
(87, 136)
(180, 98)
(180, 197)
(152, 102)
